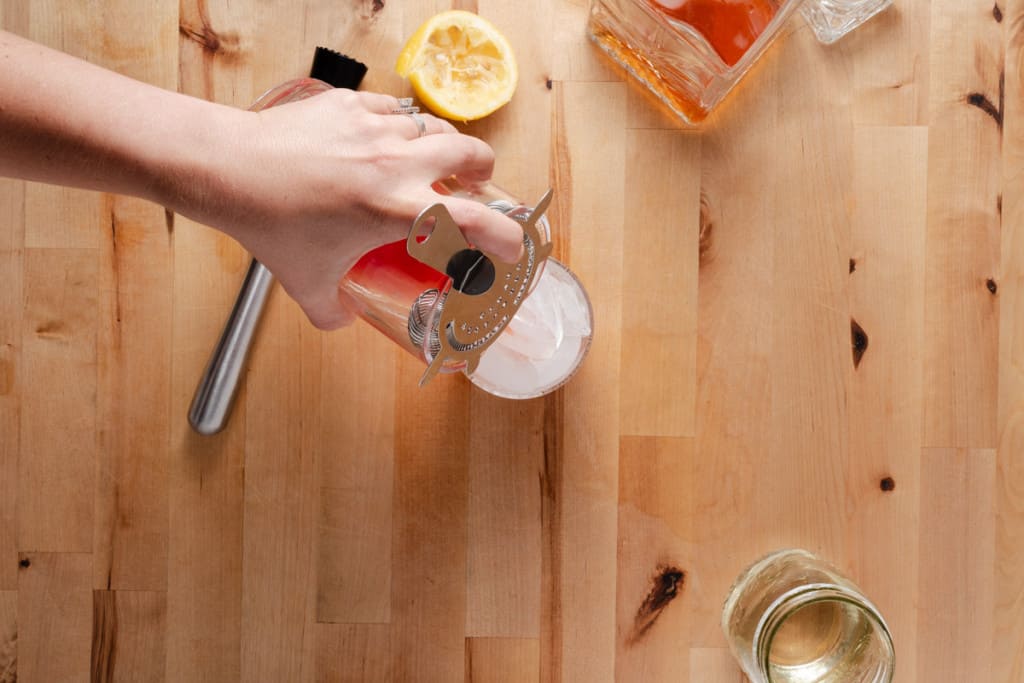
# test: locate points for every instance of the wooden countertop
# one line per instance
(809, 332)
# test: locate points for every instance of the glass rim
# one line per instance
(288, 91)
(790, 602)
(434, 317)
(584, 349)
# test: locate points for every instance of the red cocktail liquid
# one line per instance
(383, 287)
(389, 268)
(729, 26)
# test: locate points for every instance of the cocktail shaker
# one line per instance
(517, 330)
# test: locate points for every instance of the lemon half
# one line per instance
(459, 65)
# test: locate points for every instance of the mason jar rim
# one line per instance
(788, 603)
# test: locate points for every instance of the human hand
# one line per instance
(310, 186)
(307, 187)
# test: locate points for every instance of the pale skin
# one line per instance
(306, 187)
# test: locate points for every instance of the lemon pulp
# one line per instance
(459, 65)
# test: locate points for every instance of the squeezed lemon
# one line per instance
(459, 65)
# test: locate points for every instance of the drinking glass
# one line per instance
(531, 354)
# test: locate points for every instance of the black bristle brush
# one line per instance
(334, 68)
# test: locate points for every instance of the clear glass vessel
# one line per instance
(692, 53)
(792, 618)
(534, 354)
(833, 19)
(689, 53)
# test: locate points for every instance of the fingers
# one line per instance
(405, 124)
(471, 160)
(468, 158)
(440, 151)
(377, 103)
(408, 125)
(488, 230)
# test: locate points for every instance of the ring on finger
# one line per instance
(421, 123)
(405, 106)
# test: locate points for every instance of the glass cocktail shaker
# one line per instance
(518, 331)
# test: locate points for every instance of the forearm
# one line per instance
(307, 187)
(65, 121)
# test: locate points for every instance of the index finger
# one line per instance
(486, 228)
(462, 156)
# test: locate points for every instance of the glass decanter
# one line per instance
(692, 53)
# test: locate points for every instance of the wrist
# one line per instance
(185, 162)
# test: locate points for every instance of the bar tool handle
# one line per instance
(211, 404)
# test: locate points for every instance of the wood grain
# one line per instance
(279, 567)
(810, 352)
(1008, 649)
(54, 607)
(734, 345)
(574, 59)
(204, 584)
(659, 318)
(56, 468)
(356, 473)
(964, 188)
(11, 268)
(520, 132)
(129, 636)
(133, 384)
(659, 567)
(714, 665)
(8, 636)
(60, 217)
(503, 577)
(280, 505)
(502, 660)
(883, 474)
(589, 137)
(352, 653)
(808, 332)
(890, 67)
(134, 336)
(428, 572)
(504, 542)
(957, 592)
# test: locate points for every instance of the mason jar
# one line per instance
(793, 618)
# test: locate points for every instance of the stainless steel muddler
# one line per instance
(211, 404)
